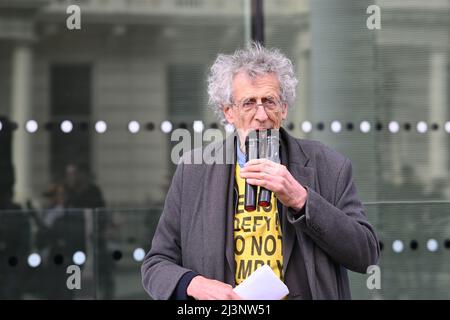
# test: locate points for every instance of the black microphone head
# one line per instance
(251, 152)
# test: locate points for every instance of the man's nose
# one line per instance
(260, 114)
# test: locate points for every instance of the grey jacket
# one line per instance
(195, 231)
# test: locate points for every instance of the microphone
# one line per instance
(269, 149)
(251, 152)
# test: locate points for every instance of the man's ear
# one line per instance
(284, 110)
(228, 113)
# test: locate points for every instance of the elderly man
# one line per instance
(206, 242)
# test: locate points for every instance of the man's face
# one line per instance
(260, 89)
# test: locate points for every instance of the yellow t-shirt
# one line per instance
(257, 236)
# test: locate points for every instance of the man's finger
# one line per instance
(254, 175)
(260, 182)
(256, 161)
(256, 167)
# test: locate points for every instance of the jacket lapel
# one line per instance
(296, 161)
(218, 215)
(299, 169)
(229, 240)
(305, 176)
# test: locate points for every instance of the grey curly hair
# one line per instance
(255, 61)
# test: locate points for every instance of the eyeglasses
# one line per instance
(250, 105)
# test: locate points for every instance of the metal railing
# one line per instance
(107, 246)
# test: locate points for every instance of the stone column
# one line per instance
(21, 81)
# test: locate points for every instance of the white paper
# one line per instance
(263, 284)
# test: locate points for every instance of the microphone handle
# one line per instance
(271, 152)
(251, 150)
(264, 197)
(250, 197)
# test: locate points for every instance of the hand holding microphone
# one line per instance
(269, 149)
(265, 171)
(260, 144)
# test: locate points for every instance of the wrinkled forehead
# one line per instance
(247, 85)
